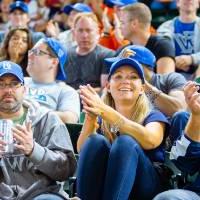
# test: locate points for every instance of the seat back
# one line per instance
(74, 132)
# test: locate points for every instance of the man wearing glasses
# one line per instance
(46, 69)
(43, 153)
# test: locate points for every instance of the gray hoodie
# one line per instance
(52, 158)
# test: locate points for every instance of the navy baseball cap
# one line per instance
(8, 67)
(136, 52)
(80, 7)
(19, 5)
(130, 62)
(111, 3)
(61, 54)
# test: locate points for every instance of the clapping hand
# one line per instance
(91, 101)
(192, 97)
(52, 29)
(183, 62)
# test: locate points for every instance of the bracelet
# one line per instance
(114, 128)
(152, 95)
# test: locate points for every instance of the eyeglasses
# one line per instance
(12, 85)
(38, 52)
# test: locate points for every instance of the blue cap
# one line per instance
(111, 3)
(136, 52)
(80, 7)
(19, 5)
(8, 67)
(61, 54)
(130, 62)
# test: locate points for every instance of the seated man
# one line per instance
(184, 31)
(185, 153)
(66, 37)
(43, 152)
(135, 25)
(46, 67)
(85, 61)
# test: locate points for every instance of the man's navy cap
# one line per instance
(19, 5)
(8, 67)
(130, 62)
(111, 3)
(61, 54)
(80, 7)
(136, 52)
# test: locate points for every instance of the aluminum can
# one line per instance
(6, 135)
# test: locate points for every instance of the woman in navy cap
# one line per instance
(118, 162)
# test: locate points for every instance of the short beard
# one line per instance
(10, 110)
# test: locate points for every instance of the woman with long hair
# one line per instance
(15, 47)
(118, 162)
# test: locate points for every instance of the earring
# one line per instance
(140, 94)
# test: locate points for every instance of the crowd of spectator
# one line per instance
(136, 83)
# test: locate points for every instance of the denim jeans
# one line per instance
(113, 172)
(177, 194)
(48, 197)
(177, 125)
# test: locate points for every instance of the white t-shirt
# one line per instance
(55, 96)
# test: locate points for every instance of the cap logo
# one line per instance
(6, 65)
(126, 53)
(17, 3)
(60, 53)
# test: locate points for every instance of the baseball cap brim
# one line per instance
(12, 73)
(139, 53)
(109, 61)
(80, 7)
(24, 10)
(8, 67)
(19, 5)
(57, 49)
(120, 3)
(67, 9)
(130, 62)
(111, 3)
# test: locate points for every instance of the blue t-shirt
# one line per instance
(157, 154)
(184, 37)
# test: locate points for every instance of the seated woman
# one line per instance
(15, 47)
(118, 162)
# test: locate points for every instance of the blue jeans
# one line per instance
(177, 125)
(113, 172)
(48, 197)
(177, 194)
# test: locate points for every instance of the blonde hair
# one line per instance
(141, 109)
(91, 16)
(139, 11)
